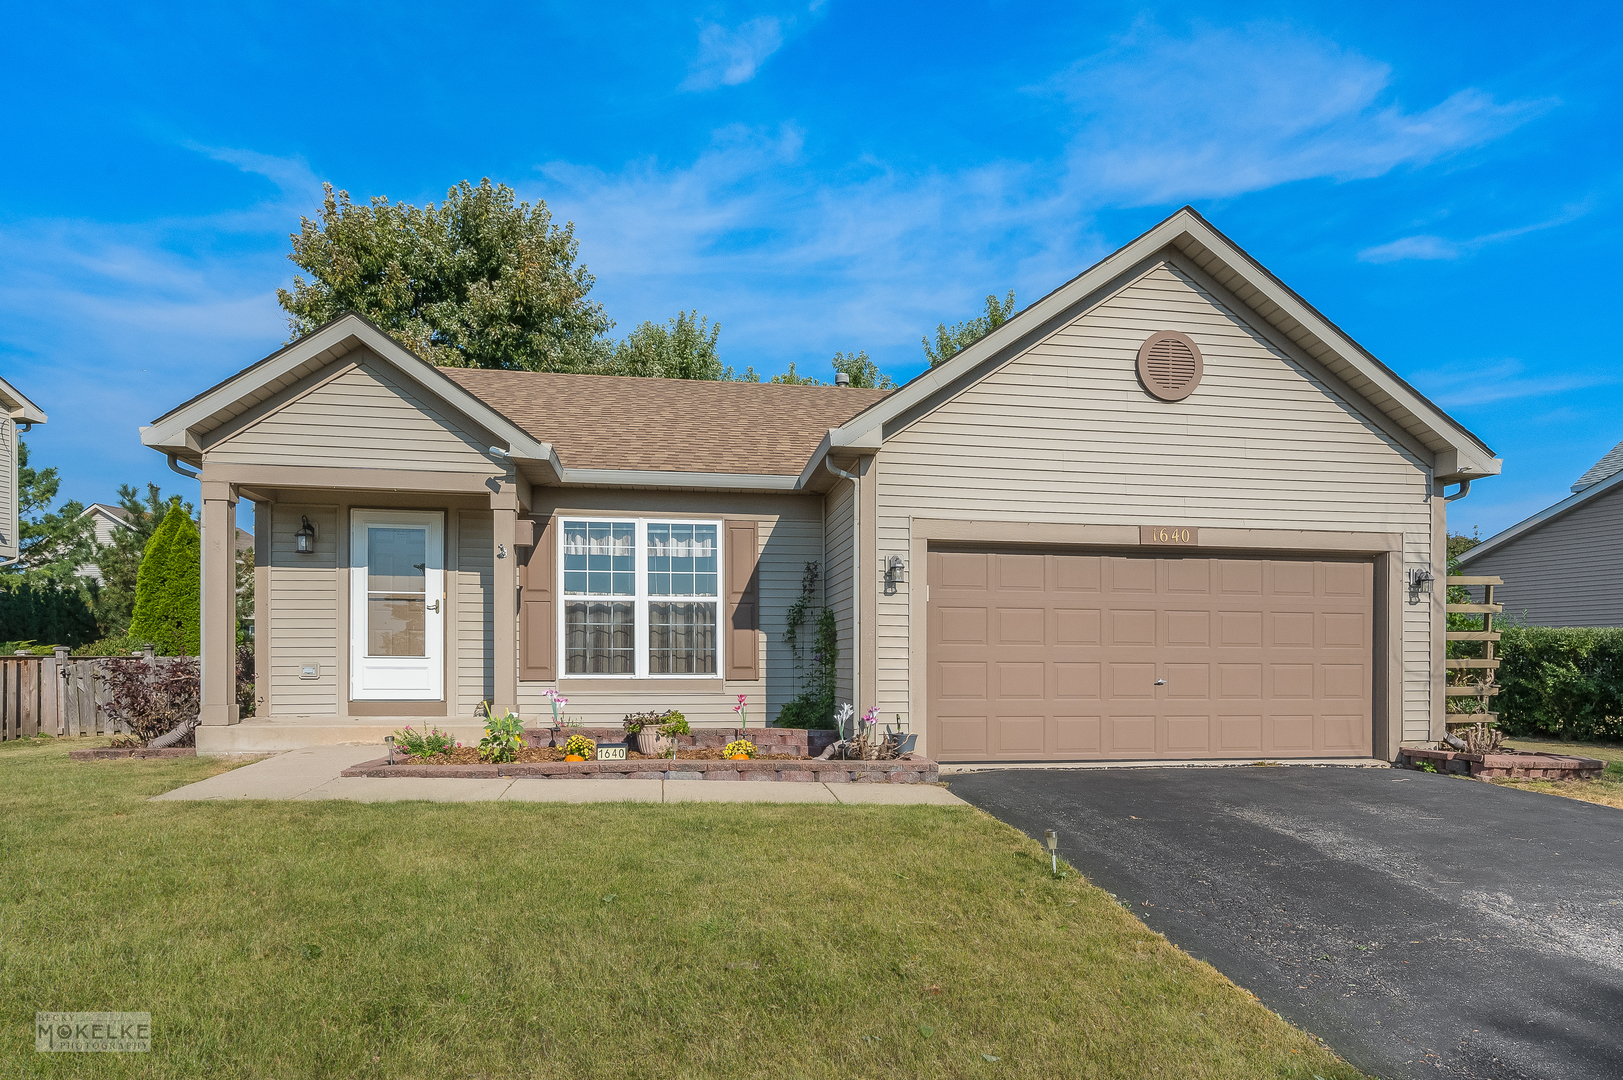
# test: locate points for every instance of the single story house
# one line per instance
(17, 414)
(1167, 511)
(1564, 565)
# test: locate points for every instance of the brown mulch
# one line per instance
(469, 755)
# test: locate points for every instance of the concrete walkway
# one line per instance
(313, 773)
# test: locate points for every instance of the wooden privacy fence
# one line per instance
(57, 695)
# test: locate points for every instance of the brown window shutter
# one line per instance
(743, 600)
(537, 618)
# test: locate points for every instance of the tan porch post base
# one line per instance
(219, 605)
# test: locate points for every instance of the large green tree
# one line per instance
(166, 591)
(52, 543)
(683, 348)
(482, 280)
(951, 340)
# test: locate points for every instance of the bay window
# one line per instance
(641, 598)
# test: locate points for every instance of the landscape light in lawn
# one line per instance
(1051, 838)
(390, 740)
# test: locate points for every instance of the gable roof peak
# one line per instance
(1609, 465)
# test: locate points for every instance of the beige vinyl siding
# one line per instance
(839, 542)
(1564, 572)
(304, 613)
(8, 488)
(1065, 434)
(364, 418)
(475, 584)
(786, 544)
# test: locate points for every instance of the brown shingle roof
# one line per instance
(668, 425)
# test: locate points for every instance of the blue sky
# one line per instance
(1442, 181)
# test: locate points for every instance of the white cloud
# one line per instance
(793, 261)
(1436, 247)
(730, 57)
(1411, 247)
(1471, 383)
(1224, 112)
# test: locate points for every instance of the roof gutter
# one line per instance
(174, 465)
(1465, 489)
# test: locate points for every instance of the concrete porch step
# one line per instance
(274, 736)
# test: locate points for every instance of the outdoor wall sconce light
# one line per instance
(893, 570)
(1419, 578)
(304, 541)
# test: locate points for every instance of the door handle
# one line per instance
(434, 607)
(1160, 682)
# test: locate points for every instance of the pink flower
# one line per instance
(871, 716)
(741, 703)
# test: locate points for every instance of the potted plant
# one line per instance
(643, 728)
(739, 750)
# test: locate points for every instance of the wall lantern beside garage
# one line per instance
(304, 541)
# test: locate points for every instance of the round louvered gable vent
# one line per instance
(1169, 365)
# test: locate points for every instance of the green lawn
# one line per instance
(1606, 789)
(281, 939)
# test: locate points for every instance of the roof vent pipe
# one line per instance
(841, 379)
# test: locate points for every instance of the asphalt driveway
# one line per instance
(1422, 925)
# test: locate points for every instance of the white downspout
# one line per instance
(856, 579)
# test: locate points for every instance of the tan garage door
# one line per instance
(1071, 657)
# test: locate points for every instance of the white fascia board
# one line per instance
(171, 432)
(816, 461)
(649, 478)
(18, 407)
(1449, 468)
(1543, 517)
(1471, 458)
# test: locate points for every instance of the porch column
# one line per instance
(218, 598)
(504, 507)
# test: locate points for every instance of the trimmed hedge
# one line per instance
(44, 615)
(1561, 682)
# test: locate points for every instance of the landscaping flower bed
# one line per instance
(1504, 763)
(908, 770)
(117, 753)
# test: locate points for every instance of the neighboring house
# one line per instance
(1168, 511)
(1561, 567)
(17, 414)
(109, 519)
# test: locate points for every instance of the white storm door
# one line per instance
(397, 605)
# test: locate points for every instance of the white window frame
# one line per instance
(640, 598)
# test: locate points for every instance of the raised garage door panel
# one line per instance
(1067, 656)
